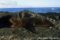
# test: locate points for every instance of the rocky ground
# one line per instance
(23, 34)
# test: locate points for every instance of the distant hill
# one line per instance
(48, 14)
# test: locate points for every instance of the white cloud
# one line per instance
(29, 3)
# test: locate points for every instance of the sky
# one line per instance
(34, 5)
(29, 3)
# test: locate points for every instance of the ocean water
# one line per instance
(41, 9)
